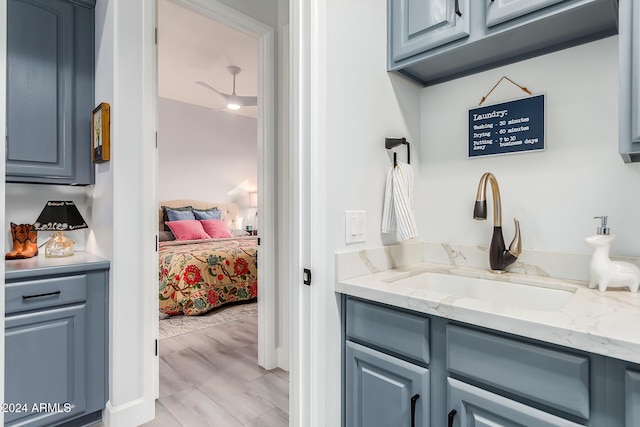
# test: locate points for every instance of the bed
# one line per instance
(198, 275)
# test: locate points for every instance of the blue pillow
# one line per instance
(165, 218)
(202, 214)
(179, 215)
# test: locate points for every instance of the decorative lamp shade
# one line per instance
(253, 200)
(59, 216)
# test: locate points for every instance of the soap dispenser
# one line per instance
(604, 272)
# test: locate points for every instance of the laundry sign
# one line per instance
(508, 127)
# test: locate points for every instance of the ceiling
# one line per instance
(192, 47)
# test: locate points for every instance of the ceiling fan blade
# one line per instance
(248, 101)
(203, 84)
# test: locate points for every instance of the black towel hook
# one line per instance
(390, 143)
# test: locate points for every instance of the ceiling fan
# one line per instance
(234, 102)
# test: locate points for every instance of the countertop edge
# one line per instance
(570, 336)
(41, 266)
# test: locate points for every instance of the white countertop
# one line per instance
(606, 323)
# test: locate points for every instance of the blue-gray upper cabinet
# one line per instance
(503, 10)
(430, 43)
(420, 25)
(50, 80)
(629, 81)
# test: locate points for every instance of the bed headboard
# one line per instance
(230, 211)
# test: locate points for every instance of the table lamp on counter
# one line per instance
(58, 216)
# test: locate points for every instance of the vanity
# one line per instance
(448, 343)
(56, 340)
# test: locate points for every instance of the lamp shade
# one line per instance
(253, 199)
(58, 216)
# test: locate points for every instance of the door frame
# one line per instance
(267, 300)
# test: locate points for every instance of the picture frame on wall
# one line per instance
(100, 126)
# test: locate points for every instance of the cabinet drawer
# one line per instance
(393, 330)
(37, 294)
(553, 378)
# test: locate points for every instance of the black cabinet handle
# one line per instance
(450, 417)
(413, 409)
(48, 294)
(458, 8)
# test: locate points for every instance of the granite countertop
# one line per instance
(604, 323)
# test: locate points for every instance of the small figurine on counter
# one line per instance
(604, 272)
(25, 242)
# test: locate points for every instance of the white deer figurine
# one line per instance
(605, 272)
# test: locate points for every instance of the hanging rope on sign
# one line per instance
(484, 98)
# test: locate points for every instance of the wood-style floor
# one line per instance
(211, 378)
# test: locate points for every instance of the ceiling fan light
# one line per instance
(233, 106)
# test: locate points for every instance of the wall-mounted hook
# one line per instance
(390, 143)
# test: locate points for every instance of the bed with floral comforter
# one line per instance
(197, 276)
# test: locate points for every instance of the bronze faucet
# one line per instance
(499, 256)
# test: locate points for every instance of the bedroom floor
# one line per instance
(211, 377)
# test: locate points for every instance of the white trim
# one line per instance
(132, 413)
(300, 381)
(134, 264)
(267, 299)
(284, 205)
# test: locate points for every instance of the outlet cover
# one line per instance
(355, 224)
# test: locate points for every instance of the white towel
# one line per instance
(398, 202)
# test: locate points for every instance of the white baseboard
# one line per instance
(282, 356)
(132, 413)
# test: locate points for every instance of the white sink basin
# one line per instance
(544, 297)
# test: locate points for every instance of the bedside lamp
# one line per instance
(59, 216)
(253, 203)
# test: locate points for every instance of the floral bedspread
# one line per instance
(199, 275)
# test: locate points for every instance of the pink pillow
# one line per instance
(216, 229)
(188, 229)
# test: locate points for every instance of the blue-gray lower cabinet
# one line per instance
(468, 376)
(475, 407)
(55, 343)
(632, 397)
(383, 390)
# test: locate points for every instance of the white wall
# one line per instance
(122, 204)
(206, 155)
(24, 202)
(554, 193)
(360, 105)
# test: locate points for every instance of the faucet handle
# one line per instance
(603, 229)
(516, 244)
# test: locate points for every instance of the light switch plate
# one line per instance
(355, 225)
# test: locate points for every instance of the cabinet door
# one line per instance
(49, 92)
(499, 11)
(629, 80)
(380, 389)
(416, 26)
(476, 407)
(46, 366)
(632, 399)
